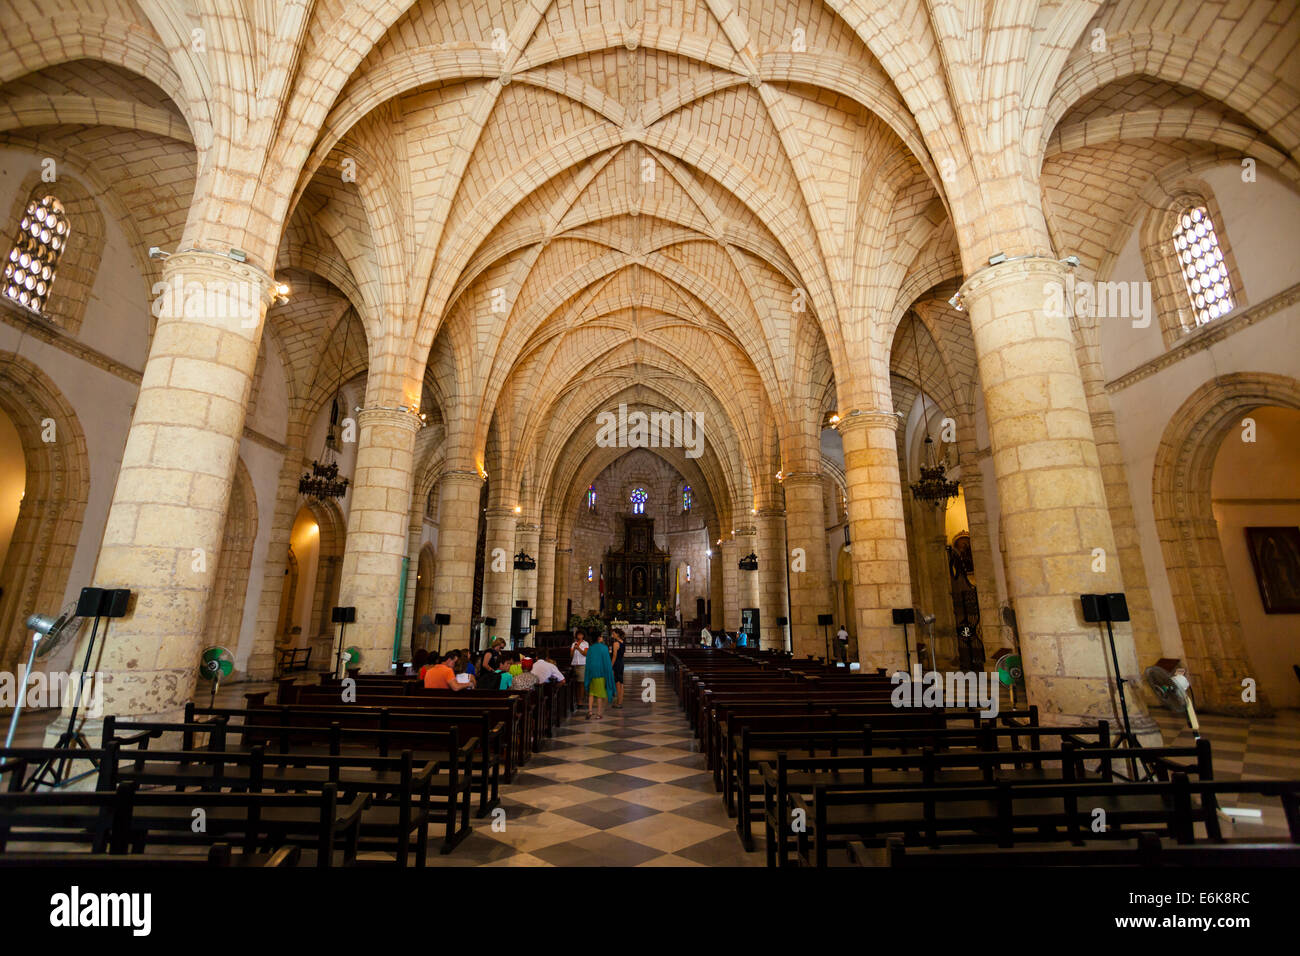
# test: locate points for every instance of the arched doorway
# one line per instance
(1208, 616)
(56, 486)
(421, 635)
(844, 600)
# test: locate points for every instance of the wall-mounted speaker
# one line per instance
(825, 620)
(782, 621)
(343, 615)
(904, 615)
(490, 621)
(441, 619)
(1104, 607)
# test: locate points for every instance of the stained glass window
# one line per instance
(687, 498)
(639, 498)
(591, 497)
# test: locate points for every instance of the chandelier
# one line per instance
(934, 486)
(748, 563)
(525, 562)
(323, 481)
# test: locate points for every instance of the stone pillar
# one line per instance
(527, 539)
(261, 660)
(545, 584)
(453, 577)
(499, 570)
(717, 589)
(881, 579)
(378, 515)
(168, 513)
(1051, 491)
(993, 633)
(771, 577)
(563, 573)
(730, 578)
(810, 581)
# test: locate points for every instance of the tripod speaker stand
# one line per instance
(97, 603)
(1113, 608)
(342, 616)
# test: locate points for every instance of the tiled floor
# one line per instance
(627, 790)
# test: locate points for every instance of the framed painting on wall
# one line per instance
(1275, 556)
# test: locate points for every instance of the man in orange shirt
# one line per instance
(442, 676)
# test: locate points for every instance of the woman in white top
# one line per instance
(579, 649)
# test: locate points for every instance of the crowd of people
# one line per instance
(597, 663)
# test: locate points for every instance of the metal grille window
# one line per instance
(42, 237)
(1200, 260)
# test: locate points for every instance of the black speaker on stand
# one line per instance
(906, 616)
(440, 621)
(342, 616)
(824, 621)
(1108, 608)
(97, 603)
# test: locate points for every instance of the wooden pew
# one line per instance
(1008, 812)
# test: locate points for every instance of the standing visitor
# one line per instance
(598, 676)
(842, 644)
(579, 650)
(619, 645)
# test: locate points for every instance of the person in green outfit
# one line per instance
(599, 677)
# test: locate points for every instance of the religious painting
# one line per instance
(1275, 555)
(638, 580)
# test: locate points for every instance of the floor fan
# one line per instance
(1011, 674)
(1175, 692)
(50, 634)
(214, 664)
(351, 658)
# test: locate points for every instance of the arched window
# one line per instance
(688, 499)
(589, 572)
(30, 268)
(591, 497)
(1200, 260)
(639, 498)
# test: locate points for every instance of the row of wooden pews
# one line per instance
(318, 775)
(835, 773)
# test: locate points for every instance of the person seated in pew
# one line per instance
(546, 671)
(469, 663)
(489, 664)
(706, 639)
(506, 679)
(526, 680)
(442, 676)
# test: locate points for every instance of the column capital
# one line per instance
(1011, 272)
(868, 418)
(383, 415)
(748, 531)
(771, 513)
(564, 551)
(528, 527)
(215, 266)
(802, 478)
(500, 512)
(465, 476)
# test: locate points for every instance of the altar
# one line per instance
(636, 576)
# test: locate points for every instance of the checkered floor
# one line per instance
(627, 790)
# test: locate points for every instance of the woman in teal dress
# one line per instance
(599, 678)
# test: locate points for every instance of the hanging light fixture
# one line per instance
(323, 480)
(934, 486)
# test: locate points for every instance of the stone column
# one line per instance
(810, 581)
(499, 570)
(881, 579)
(1051, 491)
(716, 583)
(378, 515)
(545, 584)
(261, 661)
(527, 539)
(563, 571)
(993, 632)
(168, 513)
(771, 577)
(730, 578)
(453, 577)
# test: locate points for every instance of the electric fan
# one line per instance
(1175, 692)
(214, 664)
(51, 633)
(1011, 675)
(351, 658)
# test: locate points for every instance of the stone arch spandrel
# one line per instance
(1208, 619)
